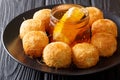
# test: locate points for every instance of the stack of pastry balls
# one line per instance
(59, 54)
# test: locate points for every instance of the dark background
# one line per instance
(12, 70)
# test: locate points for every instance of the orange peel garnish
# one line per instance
(62, 30)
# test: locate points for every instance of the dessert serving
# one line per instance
(57, 54)
(69, 34)
(34, 42)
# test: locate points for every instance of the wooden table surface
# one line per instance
(12, 70)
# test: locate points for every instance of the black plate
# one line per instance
(13, 46)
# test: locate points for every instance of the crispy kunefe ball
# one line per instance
(57, 54)
(85, 55)
(31, 25)
(44, 16)
(94, 14)
(34, 43)
(106, 43)
(104, 25)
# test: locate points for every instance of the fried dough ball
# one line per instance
(106, 43)
(57, 54)
(94, 14)
(44, 16)
(31, 25)
(104, 25)
(85, 55)
(34, 43)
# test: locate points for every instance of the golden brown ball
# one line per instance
(106, 43)
(85, 55)
(31, 25)
(34, 43)
(44, 16)
(57, 54)
(95, 14)
(104, 25)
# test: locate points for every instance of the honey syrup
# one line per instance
(68, 31)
